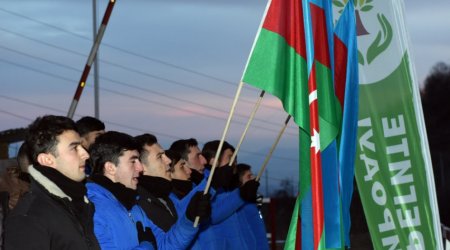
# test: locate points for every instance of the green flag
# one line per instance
(393, 167)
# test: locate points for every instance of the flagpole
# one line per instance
(274, 145)
(224, 134)
(91, 58)
(252, 115)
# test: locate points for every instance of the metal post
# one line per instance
(96, 83)
(87, 67)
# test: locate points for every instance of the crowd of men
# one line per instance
(91, 189)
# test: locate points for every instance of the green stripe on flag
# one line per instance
(291, 237)
(305, 163)
(275, 67)
(329, 106)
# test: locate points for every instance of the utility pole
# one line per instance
(96, 83)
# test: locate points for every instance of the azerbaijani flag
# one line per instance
(277, 64)
(291, 59)
(325, 125)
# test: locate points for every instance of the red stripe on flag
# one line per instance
(286, 19)
(340, 68)
(316, 168)
(319, 26)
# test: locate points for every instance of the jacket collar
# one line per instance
(49, 185)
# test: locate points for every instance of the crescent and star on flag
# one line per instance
(315, 138)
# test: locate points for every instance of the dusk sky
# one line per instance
(167, 67)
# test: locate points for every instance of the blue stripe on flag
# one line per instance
(331, 199)
(307, 222)
(346, 31)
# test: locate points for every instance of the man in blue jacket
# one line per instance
(222, 232)
(190, 152)
(112, 189)
(251, 221)
(154, 188)
(227, 229)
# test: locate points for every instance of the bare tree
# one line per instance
(286, 189)
(436, 108)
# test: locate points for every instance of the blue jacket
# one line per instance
(223, 231)
(114, 225)
(181, 204)
(220, 207)
(179, 236)
(252, 227)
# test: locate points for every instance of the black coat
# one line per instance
(161, 211)
(46, 219)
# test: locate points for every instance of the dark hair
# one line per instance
(174, 156)
(108, 147)
(145, 139)
(210, 148)
(88, 124)
(23, 158)
(183, 146)
(142, 140)
(42, 134)
(241, 168)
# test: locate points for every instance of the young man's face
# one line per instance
(225, 157)
(246, 176)
(181, 171)
(88, 139)
(196, 159)
(128, 169)
(70, 156)
(157, 163)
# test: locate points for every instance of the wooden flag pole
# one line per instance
(273, 148)
(252, 115)
(91, 58)
(224, 134)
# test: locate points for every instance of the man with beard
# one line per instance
(55, 214)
